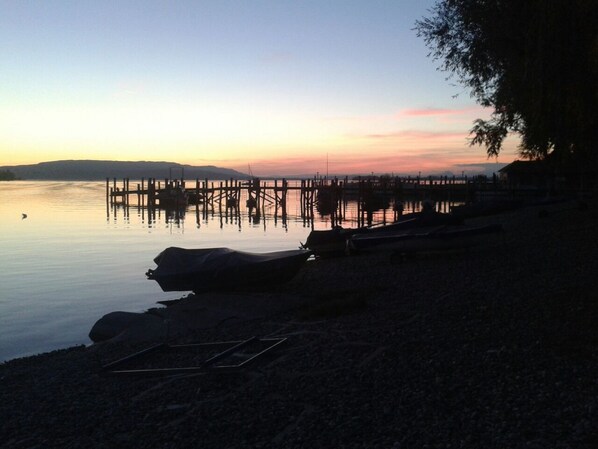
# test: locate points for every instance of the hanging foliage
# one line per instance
(535, 62)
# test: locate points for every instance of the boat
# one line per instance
(224, 269)
(333, 241)
(435, 238)
(172, 198)
(485, 208)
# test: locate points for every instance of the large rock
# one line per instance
(188, 315)
(128, 326)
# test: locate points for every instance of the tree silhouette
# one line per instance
(7, 175)
(535, 62)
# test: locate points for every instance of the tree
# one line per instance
(535, 62)
(7, 175)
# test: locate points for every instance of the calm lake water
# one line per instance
(73, 259)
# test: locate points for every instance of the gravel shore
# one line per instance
(496, 347)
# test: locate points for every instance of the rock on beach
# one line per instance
(128, 326)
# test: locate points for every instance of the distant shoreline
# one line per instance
(97, 170)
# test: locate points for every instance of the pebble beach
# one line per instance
(494, 347)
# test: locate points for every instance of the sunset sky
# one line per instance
(283, 87)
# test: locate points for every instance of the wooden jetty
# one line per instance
(211, 195)
(322, 195)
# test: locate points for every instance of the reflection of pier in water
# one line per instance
(376, 199)
(228, 200)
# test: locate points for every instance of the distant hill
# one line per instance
(89, 170)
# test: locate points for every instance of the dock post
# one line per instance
(256, 185)
(220, 199)
(151, 197)
(359, 201)
(285, 186)
(302, 199)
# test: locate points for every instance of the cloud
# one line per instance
(412, 161)
(427, 112)
(417, 134)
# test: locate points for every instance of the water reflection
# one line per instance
(77, 256)
(317, 203)
(323, 213)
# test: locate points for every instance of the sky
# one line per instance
(271, 86)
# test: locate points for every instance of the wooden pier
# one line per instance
(322, 195)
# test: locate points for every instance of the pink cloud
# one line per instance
(427, 112)
(426, 161)
(401, 152)
(415, 134)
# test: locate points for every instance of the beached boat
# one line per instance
(224, 269)
(435, 238)
(332, 242)
(484, 208)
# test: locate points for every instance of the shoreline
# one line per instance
(494, 347)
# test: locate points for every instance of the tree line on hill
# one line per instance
(7, 175)
(89, 170)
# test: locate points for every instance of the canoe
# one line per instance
(332, 242)
(224, 269)
(436, 238)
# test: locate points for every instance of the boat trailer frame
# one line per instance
(209, 364)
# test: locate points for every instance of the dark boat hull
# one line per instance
(334, 241)
(440, 238)
(223, 269)
(173, 198)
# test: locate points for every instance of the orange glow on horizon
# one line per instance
(414, 140)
